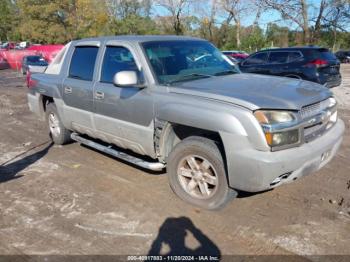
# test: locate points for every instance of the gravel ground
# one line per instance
(73, 200)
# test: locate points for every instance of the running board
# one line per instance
(155, 166)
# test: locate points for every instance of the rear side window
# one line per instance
(259, 58)
(116, 59)
(278, 57)
(83, 62)
(294, 56)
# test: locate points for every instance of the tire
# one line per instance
(198, 160)
(58, 133)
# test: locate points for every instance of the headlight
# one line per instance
(274, 117)
(282, 138)
(278, 127)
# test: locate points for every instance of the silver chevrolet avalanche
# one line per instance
(178, 103)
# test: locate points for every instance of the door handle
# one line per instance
(99, 95)
(67, 90)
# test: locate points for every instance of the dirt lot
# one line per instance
(73, 200)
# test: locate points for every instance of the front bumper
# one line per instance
(253, 171)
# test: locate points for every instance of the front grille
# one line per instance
(316, 126)
(314, 109)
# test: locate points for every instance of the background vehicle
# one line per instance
(8, 45)
(343, 56)
(3, 63)
(309, 63)
(214, 129)
(34, 64)
(238, 55)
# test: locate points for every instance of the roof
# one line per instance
(293, 48)
(140, 38)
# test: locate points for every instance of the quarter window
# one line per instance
(83, 62)
(259, 58)
(116, 59)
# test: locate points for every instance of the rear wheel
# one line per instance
(197, 173)
(58, 133)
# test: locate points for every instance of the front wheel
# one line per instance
(197, 173)
(58, 133)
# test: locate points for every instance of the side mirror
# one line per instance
(127, 79)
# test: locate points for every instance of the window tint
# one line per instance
(278, 57)
(83, 62)
(256, 59)
(116, 59)
(293, 56)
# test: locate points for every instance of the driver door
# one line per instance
(123, 116)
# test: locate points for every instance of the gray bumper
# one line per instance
(252, 170)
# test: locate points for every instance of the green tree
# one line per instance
(7, 19)
(43, 21)
(135, 25)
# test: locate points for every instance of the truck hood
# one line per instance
(256, 91)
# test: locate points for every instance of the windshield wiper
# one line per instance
(186, 78)
(227, 72)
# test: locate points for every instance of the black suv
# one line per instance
(309, 63)
(343, 56)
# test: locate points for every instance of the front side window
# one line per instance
(116, 59)
(186, 60)
(83, 62)
(278, 57)
(257, 59)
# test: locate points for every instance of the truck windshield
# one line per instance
(180, 61)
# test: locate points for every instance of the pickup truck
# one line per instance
(149, 101)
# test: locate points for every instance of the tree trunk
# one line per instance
(318, 21)
(306, 32)
(238, 33)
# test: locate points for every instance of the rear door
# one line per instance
(256, 63)
(278, 63)
(78, 88)
(286, 63)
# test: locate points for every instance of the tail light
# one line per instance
(30, 82)
(317, 63)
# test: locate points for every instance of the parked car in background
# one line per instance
(3, 63)
(309, 63)
(34, 64)
(238, 55)
(233, 60)
(8, 45)
(343, 56)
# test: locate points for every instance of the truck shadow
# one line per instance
(10, 171)
(172, 234)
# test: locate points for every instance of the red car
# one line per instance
(238, 55)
